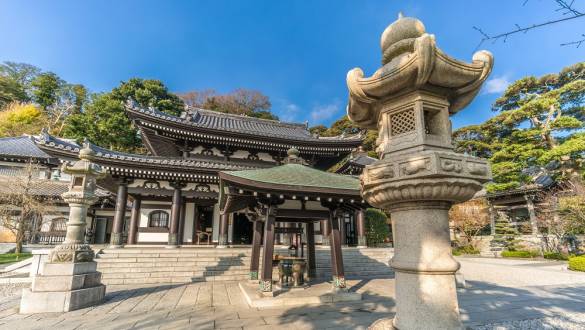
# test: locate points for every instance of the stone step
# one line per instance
(185, 265)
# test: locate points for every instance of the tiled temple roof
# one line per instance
(218, 122)
(353, 164)
(296, 177)
(22, 147)
(133, 165)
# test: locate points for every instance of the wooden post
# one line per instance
(182, 221)
(134, 220)
(325, 232)
(311, 261)
(223, 230)
(342, 228)
(266, 278)
(194, 237)
(360, 221)
(493, 215)
(116, 240)
(256, 241)
(175, 215)
(337, 272)
(532, 215)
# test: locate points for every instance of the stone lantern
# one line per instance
(69, 279)
(418, 175)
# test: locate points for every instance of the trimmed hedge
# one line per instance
(465, 250)
(377, 229)
(520, 254)
(577, 263)
(555, 256)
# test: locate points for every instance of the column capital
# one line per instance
(178, 184)
(123, 181)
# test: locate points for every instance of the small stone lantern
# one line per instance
(69, 280)
(419, 176)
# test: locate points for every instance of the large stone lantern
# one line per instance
(418, 177)
(69, 279)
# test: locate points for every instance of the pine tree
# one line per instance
(539, 119)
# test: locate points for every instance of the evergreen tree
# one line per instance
(539, 120)
(104, 122)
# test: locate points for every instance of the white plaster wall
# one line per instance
(215, 236)
(153, 237)
(189, 219)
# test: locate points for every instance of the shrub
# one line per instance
(577, 263)
(468, 249)
(377, 229)
(520, 254)
(555, 256)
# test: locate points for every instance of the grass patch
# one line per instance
(13, 257)
(577, 263)
(461, 250)
(520, 254)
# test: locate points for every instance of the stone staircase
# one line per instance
(144, 265)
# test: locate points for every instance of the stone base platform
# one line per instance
(63, 287)
(315, 294)
(60, 301)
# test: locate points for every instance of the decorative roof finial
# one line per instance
(293, 153)
(400, 15)
(86, 151)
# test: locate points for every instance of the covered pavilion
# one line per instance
(293, 193)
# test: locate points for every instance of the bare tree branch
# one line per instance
(566, 8)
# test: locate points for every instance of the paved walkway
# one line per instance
(498, 291)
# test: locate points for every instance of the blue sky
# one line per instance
(296, 52)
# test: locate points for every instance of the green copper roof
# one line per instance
(298, 176)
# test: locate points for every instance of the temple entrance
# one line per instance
(350, 230)
(203, 227)
(243, 229)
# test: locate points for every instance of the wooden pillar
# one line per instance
(265, 284)
(223, 230)
(134, 221)
(360, 222)
(532, 215)
(338, 275)
(342, 228)
(175, 215)
(116, 240)
(311, 261)
(182, 221)
(256, 241)
(326, 232)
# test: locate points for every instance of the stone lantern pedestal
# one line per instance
(418, 176)
(69, 280)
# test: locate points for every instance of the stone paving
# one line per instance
(499, 292)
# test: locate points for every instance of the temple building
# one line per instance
(171, 196)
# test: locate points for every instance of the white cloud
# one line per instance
(323, 112)
(496, 85)
(288, 111)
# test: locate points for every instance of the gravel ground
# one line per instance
(573, 321)
(9, 290)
